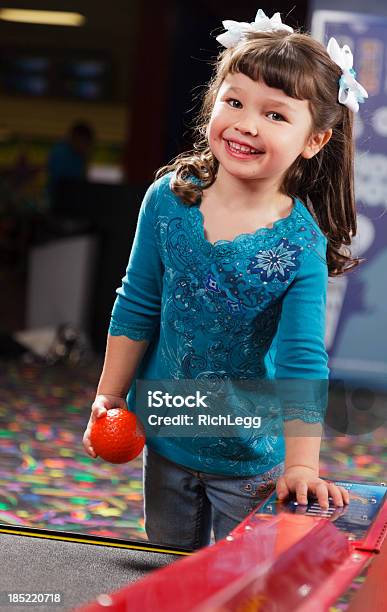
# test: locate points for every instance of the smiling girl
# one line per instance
(227, 277)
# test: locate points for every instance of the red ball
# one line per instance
(118, 436)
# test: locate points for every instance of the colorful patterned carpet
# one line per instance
(46, 478)
(48, 481)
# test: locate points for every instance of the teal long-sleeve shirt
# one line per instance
(248, 309)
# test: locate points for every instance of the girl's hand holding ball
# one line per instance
(113, 432)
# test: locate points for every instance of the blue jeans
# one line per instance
(182, 505)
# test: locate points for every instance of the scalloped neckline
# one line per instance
(260, 230)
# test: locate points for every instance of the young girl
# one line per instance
(228, 273)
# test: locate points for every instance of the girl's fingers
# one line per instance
(302, 492)
(345, 494)
(281, 488)
(98, 410)
(87, 444)
(336, 494)
(90, 451)
(322, 490)
(322, 495)
(103, 403)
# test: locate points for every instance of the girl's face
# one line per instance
(256, 131)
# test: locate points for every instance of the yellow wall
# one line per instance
(50, 119)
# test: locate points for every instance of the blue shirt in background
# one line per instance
(64, 162)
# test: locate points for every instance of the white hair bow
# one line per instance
(237, 30)
(350, 91)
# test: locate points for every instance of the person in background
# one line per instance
(69, 158)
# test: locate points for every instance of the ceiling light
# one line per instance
(42, 17)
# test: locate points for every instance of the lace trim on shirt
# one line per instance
(122, 329)
(307, 413)
(239, 244)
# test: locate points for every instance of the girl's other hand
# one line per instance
(301, 480)
(100, 406)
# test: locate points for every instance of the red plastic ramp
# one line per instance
(281, 557)
(273, 558)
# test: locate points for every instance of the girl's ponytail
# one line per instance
(327, 180)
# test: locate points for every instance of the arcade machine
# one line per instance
(282, 557)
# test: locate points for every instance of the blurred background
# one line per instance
(89, 109)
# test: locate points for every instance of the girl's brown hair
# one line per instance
(300, 66)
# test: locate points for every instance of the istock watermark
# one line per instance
(179, 408)
(157, 399)
(217, 420)
(225, 407)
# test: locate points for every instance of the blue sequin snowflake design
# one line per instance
(277, 263)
